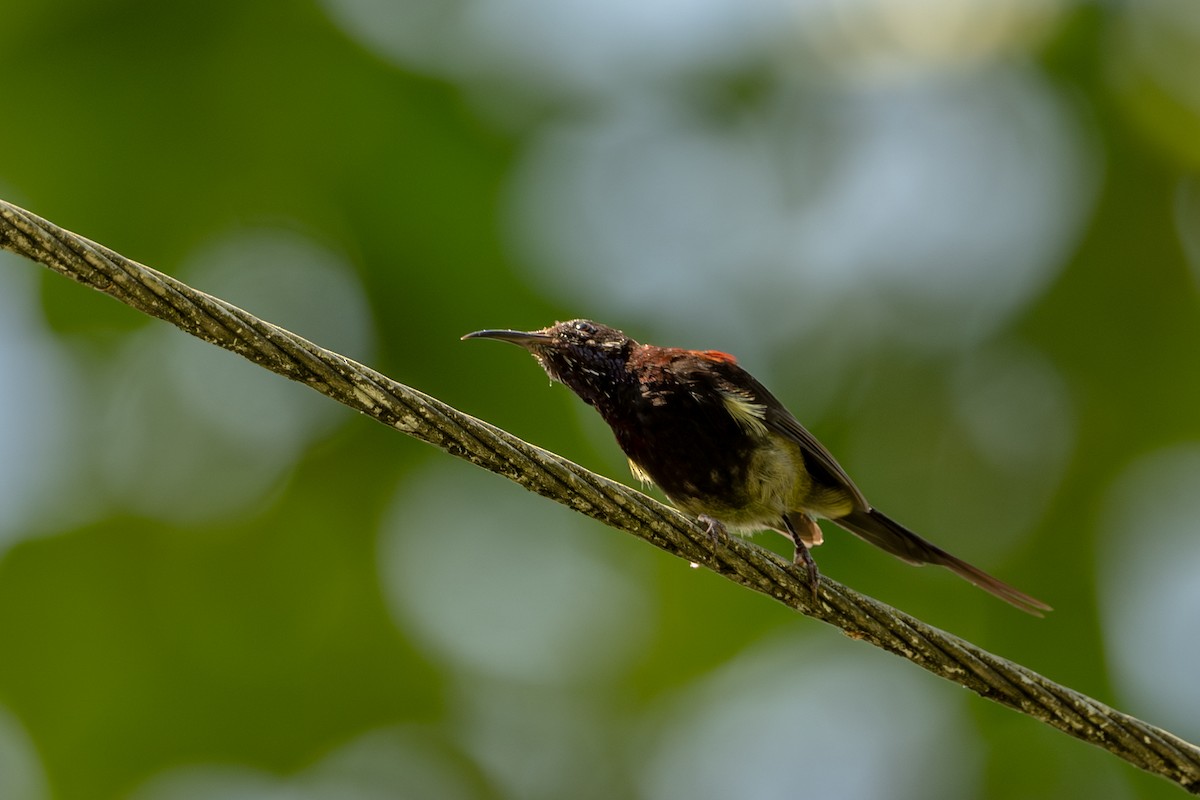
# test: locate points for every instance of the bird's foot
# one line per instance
(802, 543)
(803, 556)
(716, 530)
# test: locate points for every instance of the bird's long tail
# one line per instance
(887, 534)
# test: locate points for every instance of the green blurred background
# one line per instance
(962, 241)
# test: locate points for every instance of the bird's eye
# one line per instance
(583, 326)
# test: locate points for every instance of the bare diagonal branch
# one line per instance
(428, 419)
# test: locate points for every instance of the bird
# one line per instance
(722, 448)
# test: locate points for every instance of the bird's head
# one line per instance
(586, 356)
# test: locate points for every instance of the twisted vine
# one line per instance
(430, 420)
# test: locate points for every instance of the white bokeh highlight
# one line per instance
(21, 774)
(41, 405)
(789, 719)
(899, 172)
(544, 742)
(194, 433)
(1149, 594)
(923, 216)
(560, 46)
(382, 764)
(497, 581)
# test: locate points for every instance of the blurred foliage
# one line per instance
(210, 589)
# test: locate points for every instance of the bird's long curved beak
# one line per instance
(526, 339)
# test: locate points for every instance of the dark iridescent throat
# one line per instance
(598, 375)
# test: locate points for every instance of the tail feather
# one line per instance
(887, 534)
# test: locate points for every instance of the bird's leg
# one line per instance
(716, 530)
(803, 556)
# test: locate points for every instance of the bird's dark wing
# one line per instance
(780, 420)
(752, 398)
(729, 378)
